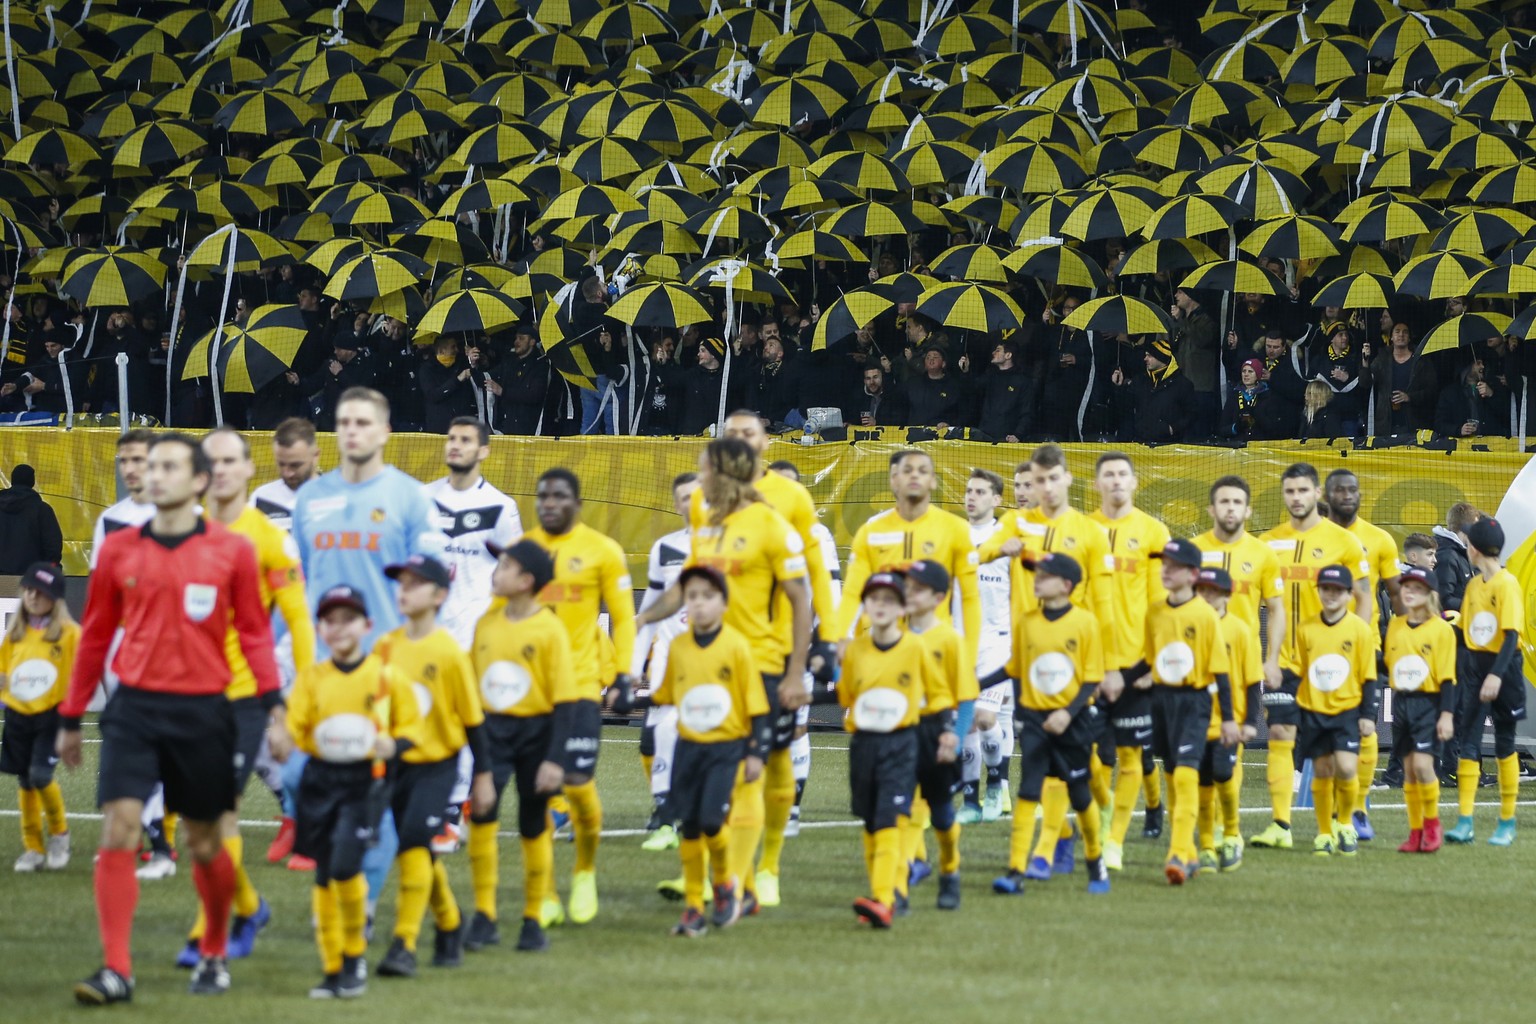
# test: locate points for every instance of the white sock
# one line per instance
(970, 758)
(992, 746)
(1005, 723)
(664, 720)
(800, 757)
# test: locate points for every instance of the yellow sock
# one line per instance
(1467, 773)
(1280, 774)
(949, 848)
(869, 853)
(1322, 804)
(914, 843)
(1370, 754)
(31, 820)
(1412, 798)
(778, 801)
(692, 853)
(1184, 806)
(484, 869)
(1093, 840)
(1227, 795)
(886, 866)
(445, 908)
(1101, 780)
(352, 900)
(558, 804)
(586, 823)
(903, 827)
(327, 927)
(1023, 832)
(168, 826)
(1347, 796)
(1152, 786)
(1429, 799)
(646, 760)
(1054, 805)
(746, 830)
(1237, 770)
(1509, 786)
(538, 871)
(53, 808)
(717, 855)
(415, 890)
(1205, 825)
(1127, 789)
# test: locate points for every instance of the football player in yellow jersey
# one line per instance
(1302, 545)
(282, 586)
(889, 684)
(1184, 665)
(763, 560)
(591, 576)
(1492, 620)
(1135, 539)
(522, 656)
(1421, 666)
(448, 698)
(352, 714)
(1058, 662)
(1218, 768)
(1336, 659)
(1342, 492)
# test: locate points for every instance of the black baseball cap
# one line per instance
(929, 573)
(342, 596)
(710, 574)
(1414, 574)
(1059, 565)
(884, 581)
(1215, 576)
(45, 577)
(1181, 552)
(1486, 536)
(1335, 576)
(535, 561)
(425, 566)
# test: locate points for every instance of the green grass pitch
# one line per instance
(1290, 937)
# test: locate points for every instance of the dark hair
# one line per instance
(902, 454)
(138, 435)
(1336, 474)
(293, 430)
(200, 463)
(1420, 541)
(683, 478)
(1113, 456)
(1023, 467)
(1230, 481)
(993, 480)
(469, 421)
(1460, 516)
(561, 473)
(1048, 456)
(783, 465)
(245, 445)
(1300, 469)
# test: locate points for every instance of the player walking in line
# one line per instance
(989, 742)
(1421, 666)
(1218, 767)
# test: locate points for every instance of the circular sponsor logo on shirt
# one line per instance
(1410, 673)
(1051, 673)
(1175, 662)
(1329, 672)
(423, 698)
(504, 685)
(1484, 627)
(879, 710)
(33, 679)
(704, 708)
(471, 520)
(345, 739)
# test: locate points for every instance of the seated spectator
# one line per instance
(877, 406)
(1161, 399)
(447, 390)
(1319, 418)
(1460, 411)
(1249, 413)
(936, 398)
(40, 387)
(1405, 385)
(1007, 396)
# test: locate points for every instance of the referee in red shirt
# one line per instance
(177, 586)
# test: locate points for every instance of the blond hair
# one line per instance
(59, 619)
(1317, 395)
(732, 468)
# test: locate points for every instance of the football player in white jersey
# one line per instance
(989, 744)
(298, 459)
(658, 739)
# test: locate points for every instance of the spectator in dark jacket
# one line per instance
(1162, 398)
(447, 388)
(1320, 419)
(661, 405)
(1007, 396)
(351, 365)
(1198, 352)
(935, 398)
(41, 386)
(701, 389)
(879, 404)
(29, 530)
(1453, 569)
(1250, 412)
(1338, 365)
(1066, 359)
(520, 385)
(1405, 385)
(1460, 410)
(775, 384)
(1283, 374)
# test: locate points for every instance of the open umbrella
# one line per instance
(661, 305)
(381, 272)
(849, 312)
(251, 355)
(1357, 291)
(1120, 314)
(113, 276)
(1465, 329)
(970, 307)
(471, 311)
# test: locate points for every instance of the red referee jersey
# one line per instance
(176, 606)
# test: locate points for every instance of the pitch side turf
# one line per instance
(1289, 937)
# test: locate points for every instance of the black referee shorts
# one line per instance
(518, 746)
(584, 742)
(250, 734)
(1280, 705)
(1414, 717)
(703, 775)
(336, 816)
(419, 799)
(27, 747)
(1218, 763)
(1180, 717)
(882, 772)
(1319, 735)
(1041, 755)
(1130, 718)
(186, 742)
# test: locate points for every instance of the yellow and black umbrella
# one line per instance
(902, 287)
(850, 312)
(252, 251)
(1465, 329)
(1120, 314)
(791, 102)
(1297, 237)
(821, 245)
(251, 355)
(381, 272)
(264, 112)
(380, 207)
(1383, 217)
(1192, 215)
(326, 256)
(500, 144)
(1057, 263)
(1357, 291)
(113, 276)
(745, 282)
(1174, 147)
(158, 142)
(1034, 167)
(1166, 254)
(1512, 184)
(1504, 281)
(1234, 276)
(1482, 230)
(661, 305)
(1440, 275)
(1110, 213)
(471, 311)
(870, 220)
(51, 146)
(970, 307)
(971, 262)
(356, 167)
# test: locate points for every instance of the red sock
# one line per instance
(216, 887)
(117, 896)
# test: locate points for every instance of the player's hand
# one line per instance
(1367, 727)
(621, 695)
(550, 778)
(384, 747)
(482, 794)
(1445, 727)
(822, 661)
(1057, 722)
(792, 695)
(949, 744)
(1012, 546)
(752, 768)
(1112, 686)
(1249, 733)
(279, 742)
(1230, 735)
(1144, 683)
(68, 747)
(1490, 691)
(1271, 677)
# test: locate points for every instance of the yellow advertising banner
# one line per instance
(626, 481)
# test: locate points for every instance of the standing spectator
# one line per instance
(1339, 367)
(1453, 569)
(447, 387)
(661, 402)
(41, 387)
(775, 385)
(1461, 411)
(351, 365)
(519, 384)
(1405, 387)
(1161, 399)
(1282, 372)
(877, 406)
(935, 398)
(1067, 355)
(1007, 396)
(29, 530)
(1197, 351)
(396, 363)
(701, 389)
(1250, 410)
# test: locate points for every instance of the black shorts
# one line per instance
(1180, 717)
(703, 775)
(1506, 710)
(1066, 757)
(1218, 763)
(1319, 735)
(420, 798)
(1414, 717)
(518, 746)
(1130, 718)
(938, 782)
(250, 734)
(1101, 734)
(186, 742)
(783, 721)
(27, 747)
(584, 741)
(882, 772)
(336, 816)
(1280, 705)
